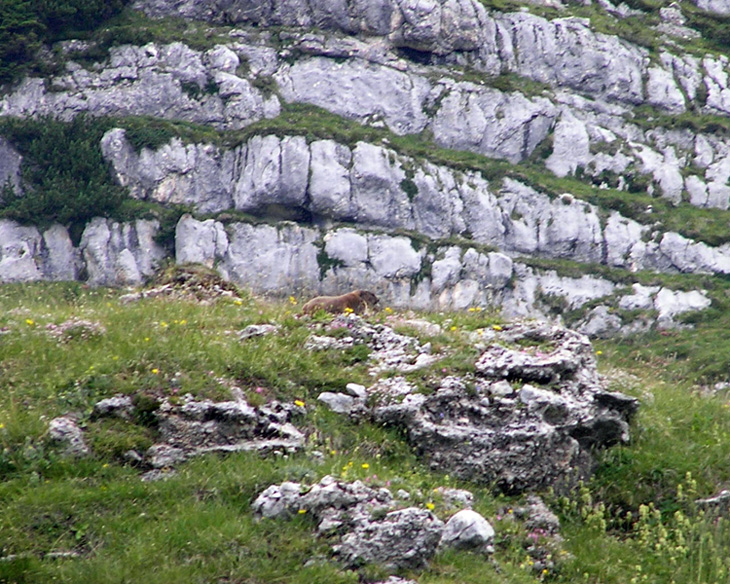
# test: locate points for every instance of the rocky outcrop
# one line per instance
(591, 83)
(375, 187)
(404, 274)
(372, 525)
(28, 255)
(576, 115)
(120, 253)
(291, 258)
(591, 137)
(167, 81)
(531, 419)
(188, 427)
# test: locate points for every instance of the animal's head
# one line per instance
(369, 298)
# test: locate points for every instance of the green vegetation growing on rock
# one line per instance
(25, 24)
(65, 178)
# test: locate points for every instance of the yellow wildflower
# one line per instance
(155, 371)
(599, 352)
(29, 321)
(302, 511)
(496, 327)
(430, 506)
(238, 302)
(299, 403)
(348, 310)
(365, 465)
(292, 300)
(388, 309)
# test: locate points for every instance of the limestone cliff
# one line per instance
(559, 90)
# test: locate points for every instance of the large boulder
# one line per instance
(536, 411)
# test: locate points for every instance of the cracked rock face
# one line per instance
(369, 527)
(391, 351)
(403, 539)
(530, 420)
(190, 428)
(199, 427)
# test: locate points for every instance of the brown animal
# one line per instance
(358, 301)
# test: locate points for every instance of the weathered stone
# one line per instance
(490, 122)
(403, 539)
(546, 441)
(67, 434)
(166, 81)
(358, 90)
(257, 330)
(356, 390)
(120, 253)
(600, 323)
(276, 500)
(19, 248)
(338, 402)
(120, 406)
(198, 175)
(467, 529)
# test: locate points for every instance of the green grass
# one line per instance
(197, 526)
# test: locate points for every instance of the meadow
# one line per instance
(64, 346)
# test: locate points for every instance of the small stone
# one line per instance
(456, 498)
(467, 529)
(119, 406)
(133, 457)
(164, 456)
(501, 389)
(337, 402)
(356, 390)
(69, 436)
(257, 330)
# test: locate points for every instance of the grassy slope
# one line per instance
(197, 526)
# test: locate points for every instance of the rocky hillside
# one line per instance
(445, 153)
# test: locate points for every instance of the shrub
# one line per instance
(64, 176)
(20, 30)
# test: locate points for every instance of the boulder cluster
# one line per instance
(529, 417)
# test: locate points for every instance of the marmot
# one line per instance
(358, 301)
